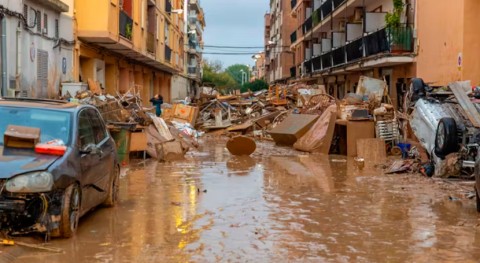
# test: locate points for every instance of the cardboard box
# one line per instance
(21, 137)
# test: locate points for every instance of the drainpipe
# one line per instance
(4, 55)
(19, 58)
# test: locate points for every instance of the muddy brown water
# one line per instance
(276, 206)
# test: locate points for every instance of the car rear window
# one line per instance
(53, 124)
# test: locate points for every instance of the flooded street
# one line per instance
(276, 206)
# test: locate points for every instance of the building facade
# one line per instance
(195, 26)
(130, 45)
(337, 41)
(36, 47)
(278, 26)
(258, 71)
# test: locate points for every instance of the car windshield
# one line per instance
(53, 124)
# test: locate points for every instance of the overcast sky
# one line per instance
(234, 23)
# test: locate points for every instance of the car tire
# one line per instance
(113, 190)
(70, 213)
(446, 137)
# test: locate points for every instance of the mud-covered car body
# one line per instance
(48, 193)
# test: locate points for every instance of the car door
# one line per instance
(89, 161)
(106, 151)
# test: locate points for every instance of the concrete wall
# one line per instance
(180, 87)
(471, 45)
(23, 46)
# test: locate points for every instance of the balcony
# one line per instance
(317, 63)
(56, 5)
(327, 8)
(354, 50)
(307, 25)
(308, 66)
(193, 70)
(293, 72)
(151, 43)
(293, 37)
(168, 54)
(338, 3)
(394, 42)
(125, 25)
(338, 56)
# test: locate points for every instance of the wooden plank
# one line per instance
(92, 85)
(138, 141)
(325, 149)
(459, 91)
(358, 130)
(372, 150)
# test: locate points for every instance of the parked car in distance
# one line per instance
(73, 168)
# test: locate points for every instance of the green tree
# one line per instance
(257, 85)
(236, 72)
(212, 73)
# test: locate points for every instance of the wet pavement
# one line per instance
(276, 206)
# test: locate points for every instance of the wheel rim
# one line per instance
(440, 135)
(74, 209)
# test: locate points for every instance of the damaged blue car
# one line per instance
(52, 176)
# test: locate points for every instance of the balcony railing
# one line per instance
(308, 66)
(307, 25)
(168, 54)
(293, 37)
(354, 50)
(293, 3)
(327, 8)
(193, 70)
(293, 72)
(151, 42)
(376, 42)
(337, 3)
(399, 40)
(125, 25)
(317, 63)
(338, 56)
(326, 60)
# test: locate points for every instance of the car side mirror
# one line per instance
(90, 149)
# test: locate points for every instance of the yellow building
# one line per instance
(130, 45)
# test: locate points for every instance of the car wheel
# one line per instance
(113, 190)
(70, 211)
(446, 138)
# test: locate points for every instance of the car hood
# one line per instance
(18, 161)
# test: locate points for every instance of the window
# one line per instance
(39, 21)
(45, 24)
(167, 33)
(57, 29)
(85, 130)
(99, 130)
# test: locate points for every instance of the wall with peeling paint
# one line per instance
(24, 48)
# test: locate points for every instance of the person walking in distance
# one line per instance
(157, 101)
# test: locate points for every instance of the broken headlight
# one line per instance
(30, 183)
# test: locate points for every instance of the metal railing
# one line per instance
(338, 56)
(354, 50)
(168, 7)
(327, 8)
(293, 72)
(168, 54)
(125, 25)
(400, 38)
(308, 66)
(376, 42)
(317, 17)
(326, 60)
(338, 3)
(307, 25)
(317, 63)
